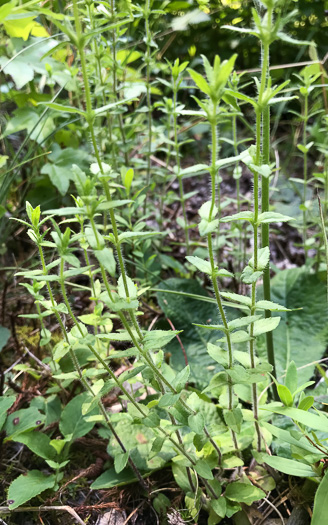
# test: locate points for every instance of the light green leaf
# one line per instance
(265, 325)
(285, 395)
(120, 461)
(320, 515)
(196, 423)
(203, 469)
(201, 265)
(289, 466)
(106, 258)
(243, 493)
(270, 216)
(299, 329)
(291, 377)
(305, 418)
(158, 338)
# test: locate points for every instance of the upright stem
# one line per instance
(114, 70)
(177, 162)
(149, 114)
(265, 203)
(213, 278)
(237, 167)
(305, 168)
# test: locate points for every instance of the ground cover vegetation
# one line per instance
(164, 197)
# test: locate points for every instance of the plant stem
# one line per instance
(149, 114)
(177, 162)
(305, 168)
(265, 202)
(213, 277)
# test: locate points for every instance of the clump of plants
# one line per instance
(213, 428)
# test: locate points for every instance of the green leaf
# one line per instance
(181, 379)
(158, 338)
(38, 443)
(21, 421)
(243, 493)
(306, 403)
(201, 265)
(4, 336)
(106, 258)
(110, 478)
(270, 216)
(299, 329)
(5, 404)
(26, 487)
(242, 216)
(320, 515)
(265, 325)
(233, 419)
(120, 461)
(168, 400)
(196, 423)
(181, 478)
(200, 82)
(183, 311)
(305, 418)
(219, 506)
(291, 377)
(72, 422)
(203, 469)
(285, 395)
(61, 108)
(289, 466)
(285, 435)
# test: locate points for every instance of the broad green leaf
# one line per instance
(183, 311)
(233, 419)
(299, 329)
(201, 265)
(289, 466)
(305, 418)
(285, 435)
(158, 338)
(285, 395)
(72, 422)
(320, 515)
(21, 421)
(4, 336)
(243, 493)
(106, 258)
(120, 461)
(181, 478)
(203, 469)
(38, 443)
(26, 487)
(110, 478)
(270, 216)
(291, 377)
(196, 423)
(5, 404)
(306, 403)
(242, 216)
(265, 325)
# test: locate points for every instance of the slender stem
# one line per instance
(148, 87)
(177, 162)
(211, 257)
(305, 168)
(265, 204)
